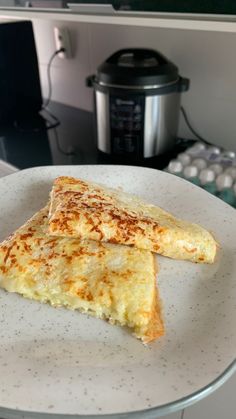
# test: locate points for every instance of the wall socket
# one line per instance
(62, 40)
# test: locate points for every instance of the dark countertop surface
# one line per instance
(30, 143)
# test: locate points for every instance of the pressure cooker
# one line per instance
(137, 103)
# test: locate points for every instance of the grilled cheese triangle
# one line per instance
(89, 211)
(112, 282)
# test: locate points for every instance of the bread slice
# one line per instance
(90, 211)
(112, 282)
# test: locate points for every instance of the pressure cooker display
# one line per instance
(126, 118)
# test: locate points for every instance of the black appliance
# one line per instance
(20, 90)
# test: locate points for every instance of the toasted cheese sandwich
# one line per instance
(89, 211)
(108, 281)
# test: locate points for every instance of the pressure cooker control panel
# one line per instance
(126, 124)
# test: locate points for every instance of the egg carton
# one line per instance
(210, 167)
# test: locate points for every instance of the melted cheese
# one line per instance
(108, 281)
(90, 211)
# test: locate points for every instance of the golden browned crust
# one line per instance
(113, 282)
(90, 211)
(155, 328)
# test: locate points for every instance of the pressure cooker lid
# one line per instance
(137, 67)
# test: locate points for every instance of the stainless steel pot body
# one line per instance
(147, 133)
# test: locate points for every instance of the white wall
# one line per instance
(207, 58)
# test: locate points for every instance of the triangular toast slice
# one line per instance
(113, 282)
(89, 211)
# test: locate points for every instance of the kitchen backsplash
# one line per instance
(207, 58)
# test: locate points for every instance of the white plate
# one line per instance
(55, 361)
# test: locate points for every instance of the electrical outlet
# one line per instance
(62, 40)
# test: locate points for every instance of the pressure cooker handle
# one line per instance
(138, 53)
(183, 84)
(89, 81)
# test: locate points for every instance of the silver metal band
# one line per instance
(121, 86)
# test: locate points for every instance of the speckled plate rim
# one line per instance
(151, 413)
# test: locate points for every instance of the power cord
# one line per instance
(191, 128)
(49, 65)
(49, 125)
(18, 124)
(47, 102)
(66, 153)
(54, 118)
